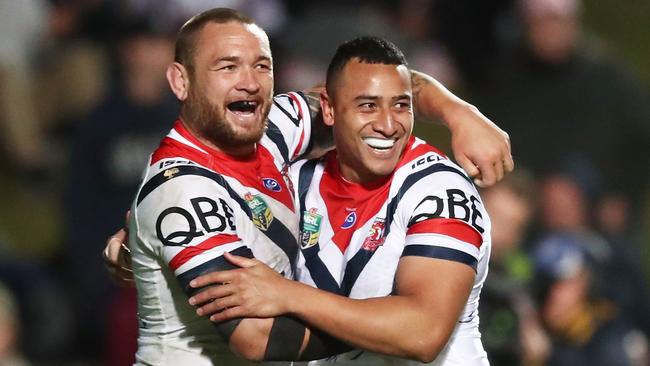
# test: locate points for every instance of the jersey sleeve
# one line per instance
(446, 220)
(290, 124)
(189, 223)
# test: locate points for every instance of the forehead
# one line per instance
(232, 39)
(359, 78)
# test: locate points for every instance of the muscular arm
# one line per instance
(480, 147)
(430, 295)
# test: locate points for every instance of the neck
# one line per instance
(350, 175)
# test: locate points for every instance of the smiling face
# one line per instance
(229, 86)
(372, 116)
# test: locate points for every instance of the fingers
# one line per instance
(468, 165)
(127, 217)
(498, 169)
(117, 259)
(211, 293)
(488, 174)
(217, 305)
(509, 163)
(240, 261)
(229, 313)
(214, 278)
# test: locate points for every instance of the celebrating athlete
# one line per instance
(216, 182)
(384, 214)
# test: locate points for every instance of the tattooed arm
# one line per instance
(479, 145)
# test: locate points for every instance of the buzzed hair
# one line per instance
(368, 50)
(186, 37)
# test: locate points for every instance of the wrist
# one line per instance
(296, 297)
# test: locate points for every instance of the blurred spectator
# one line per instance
(510, 329)
(169, 15)
(311, 36)
(562, 99)
(110, 151)
(9, 330)
(40, 308)
(26, 22)
(565, 207)
(586, 328)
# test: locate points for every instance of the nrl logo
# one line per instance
(310, 230)
(260, 212)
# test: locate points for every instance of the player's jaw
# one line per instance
(247, 116)
(238, 122)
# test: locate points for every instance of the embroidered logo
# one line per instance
(310, 230)
(375, 237)
(349, 220)
(260, 212)
(169, 173)
(271, 184)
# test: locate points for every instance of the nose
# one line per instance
(385, 123)
(248, 81)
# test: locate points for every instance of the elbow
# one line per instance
(426, 348)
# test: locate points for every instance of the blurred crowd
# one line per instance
(83, 100)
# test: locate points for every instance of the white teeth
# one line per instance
(378, 143)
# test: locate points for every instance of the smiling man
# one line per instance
(218, 183)
(384, 214)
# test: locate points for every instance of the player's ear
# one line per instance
(326, 108)
(178, 80)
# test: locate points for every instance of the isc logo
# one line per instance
(427, 159)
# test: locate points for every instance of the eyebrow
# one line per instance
(367, 97)
(237, 58)
(403, 96)
(376, 97)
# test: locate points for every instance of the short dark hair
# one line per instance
(367, 49)
(186, 37)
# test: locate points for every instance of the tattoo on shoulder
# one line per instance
(313, 100)
(417, 83)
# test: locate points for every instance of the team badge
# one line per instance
(169, 173)
(375, 237)
(271, 184)
(349, 220)
(260, 212)
(310, 230)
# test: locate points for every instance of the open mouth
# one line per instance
(243, 106)
(379, 143)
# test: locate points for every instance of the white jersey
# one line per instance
(353, 237)
(196, 203)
